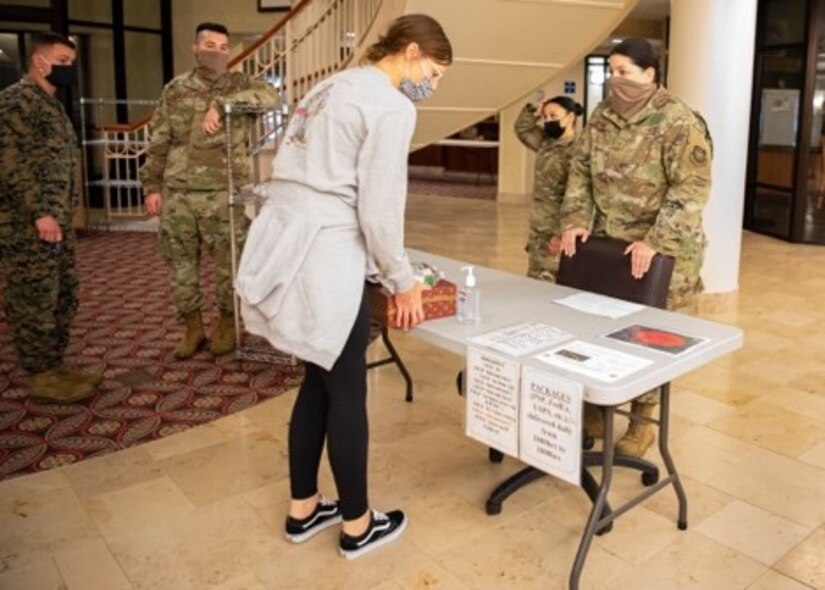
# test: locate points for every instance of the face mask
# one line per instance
(416, 92)
(213, 62)
(553, 129)
(62, 76)
(627, 97)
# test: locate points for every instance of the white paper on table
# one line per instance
(604, 364)
(600, 305)
(551, 424)
(522, 339)
(492, 396)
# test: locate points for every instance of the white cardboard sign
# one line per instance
(551, 424)
(492, 397)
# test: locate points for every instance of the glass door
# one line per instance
(595, 75)
(786, 173)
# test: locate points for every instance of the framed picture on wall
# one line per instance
(273, 5)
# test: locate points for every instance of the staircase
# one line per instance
(320, 37)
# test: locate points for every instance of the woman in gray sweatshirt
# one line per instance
(335, 215)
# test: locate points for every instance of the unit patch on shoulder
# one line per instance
(699, 156)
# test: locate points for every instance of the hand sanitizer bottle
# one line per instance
(468, 304)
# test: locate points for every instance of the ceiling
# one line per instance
(652, 9)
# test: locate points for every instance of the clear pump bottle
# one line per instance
(468, 304)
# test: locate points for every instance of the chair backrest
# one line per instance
(601, 266)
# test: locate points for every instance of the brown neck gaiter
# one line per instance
(628, 97)
(211, 64)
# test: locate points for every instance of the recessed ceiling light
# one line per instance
(615, 41)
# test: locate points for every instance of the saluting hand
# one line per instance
(48, 229)
(212, 121)
(641, 255)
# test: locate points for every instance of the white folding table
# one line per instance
(508, 299)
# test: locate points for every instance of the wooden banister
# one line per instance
(270, 33)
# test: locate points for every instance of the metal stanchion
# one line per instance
(261, 351)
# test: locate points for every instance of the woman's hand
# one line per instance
(641, 256)
(409, 308)
(569, 237)
(554, 246)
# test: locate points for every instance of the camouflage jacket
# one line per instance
(551, 170)
(181, 156)
(643, 179)
(39, 156)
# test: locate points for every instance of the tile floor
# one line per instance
(204, 509)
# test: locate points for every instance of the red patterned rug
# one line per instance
(125, 327)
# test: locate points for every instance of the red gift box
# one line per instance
(439, 302)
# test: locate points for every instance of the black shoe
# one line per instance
(383, 529)
(325, 515)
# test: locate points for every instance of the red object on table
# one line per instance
(439, 302)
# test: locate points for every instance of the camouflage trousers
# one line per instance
(191, 222)
(540, 263)
(40, 294)
(683, 296)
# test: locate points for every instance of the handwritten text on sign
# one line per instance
(492, 400)
(551, 424)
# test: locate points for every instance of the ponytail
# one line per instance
(568, 104)
(413, 28)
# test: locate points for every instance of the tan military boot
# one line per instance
(70, 372)
(192, 338)
(640, 435)
(53, 387)
(223, 338)
(593, 421)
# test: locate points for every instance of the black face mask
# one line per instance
(62, 76)
(553, 129)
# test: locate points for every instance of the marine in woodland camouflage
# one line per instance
(39, 176)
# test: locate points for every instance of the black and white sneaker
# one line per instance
(325, 515)
(383, 529)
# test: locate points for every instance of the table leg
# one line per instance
(664, 431)
(394, 358)
(596, 514)
(591, 488)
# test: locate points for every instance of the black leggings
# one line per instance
(332, 406)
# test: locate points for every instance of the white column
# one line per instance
(710, 66)
(515, 162)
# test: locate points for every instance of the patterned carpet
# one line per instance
(125, 328)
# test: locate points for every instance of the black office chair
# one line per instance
(600, 266)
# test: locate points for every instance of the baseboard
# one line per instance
(513, 198)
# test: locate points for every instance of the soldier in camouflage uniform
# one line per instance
(641, 173)
(185, 181)
(553, 144)
(39, 184)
